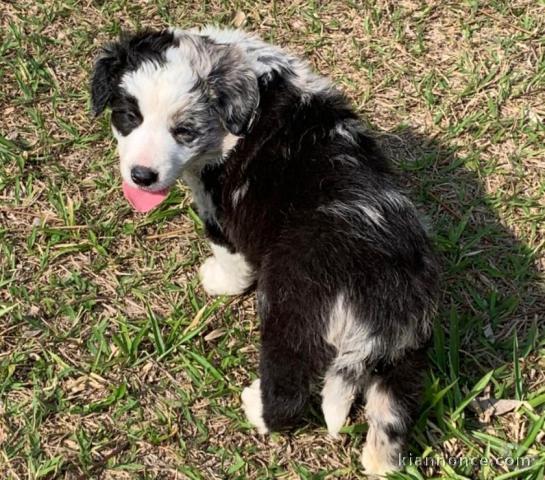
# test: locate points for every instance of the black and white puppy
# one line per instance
(298, 200)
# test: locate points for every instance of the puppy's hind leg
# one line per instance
(347, 371)
(338, 394)
(392, 400)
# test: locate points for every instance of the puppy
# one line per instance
(297, 200)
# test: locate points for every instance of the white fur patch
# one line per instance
(337, 398)
(228, 144)
(349, 336)
(253, 406)
(354, 342)
(355, 209)
(161, 88)
(225, 273)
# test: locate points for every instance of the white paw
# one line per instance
(335, 417)
(377, 462)
(216, 281)
(253, 406)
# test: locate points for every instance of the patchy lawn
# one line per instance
(113, 361)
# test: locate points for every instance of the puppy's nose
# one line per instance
(143, 176)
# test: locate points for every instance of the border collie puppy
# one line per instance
(297, 200)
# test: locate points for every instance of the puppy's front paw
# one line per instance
(215, 280)
(253, 406)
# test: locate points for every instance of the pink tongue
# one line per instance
(141, 200)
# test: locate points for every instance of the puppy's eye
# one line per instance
(184, 134)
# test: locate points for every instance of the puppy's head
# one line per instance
(177, 99)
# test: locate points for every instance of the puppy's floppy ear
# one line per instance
(127, 53)
(234, 88)
(106, 75)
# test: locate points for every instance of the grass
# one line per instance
(115, 364)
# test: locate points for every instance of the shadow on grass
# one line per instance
(492, 298)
